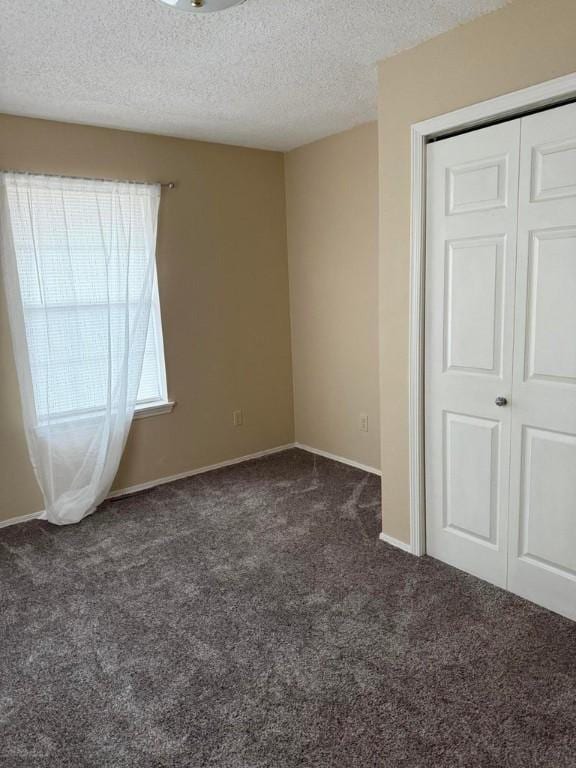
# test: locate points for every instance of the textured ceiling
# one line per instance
(270, 73)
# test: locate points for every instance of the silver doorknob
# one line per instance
(501, 401)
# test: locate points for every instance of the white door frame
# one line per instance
(502, 107)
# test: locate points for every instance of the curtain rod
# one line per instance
(163, 184)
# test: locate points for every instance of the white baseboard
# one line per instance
(395, 542)
(201, 470)
(161, 481)
(21, 519)
(341, 459)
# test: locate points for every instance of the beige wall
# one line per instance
(223, 280)
(527, 42)
(332, 214)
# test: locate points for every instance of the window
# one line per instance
(74, 308)
(152, 389)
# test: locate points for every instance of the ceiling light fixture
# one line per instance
(202, 6)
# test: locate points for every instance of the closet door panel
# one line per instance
(542, 541)
(472, 200)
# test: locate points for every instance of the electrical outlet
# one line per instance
(238, 418)
(364, 422)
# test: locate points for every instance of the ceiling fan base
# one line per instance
(202, 6)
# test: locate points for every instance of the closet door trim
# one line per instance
(509, 106)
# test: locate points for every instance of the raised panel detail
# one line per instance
(477, 186)
(554, 171)
(473, 296)
(548, 501)
(551, 320)
(471, 478)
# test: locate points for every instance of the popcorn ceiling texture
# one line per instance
(273, 74)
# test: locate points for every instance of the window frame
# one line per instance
(156, 406)
(143, 408)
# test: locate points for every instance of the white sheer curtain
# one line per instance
(78, 261)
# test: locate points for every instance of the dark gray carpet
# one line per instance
(250, 618)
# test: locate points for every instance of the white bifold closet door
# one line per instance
(470, 258)
(542, 548)
(500, 368)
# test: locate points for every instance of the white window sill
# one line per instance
(153, 409)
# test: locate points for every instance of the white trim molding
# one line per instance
(157, 408)
(21, 519)
(200, 471)
(240, 460)
(341, 459)
(396, 542)
(162, 481)
(510, 105)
